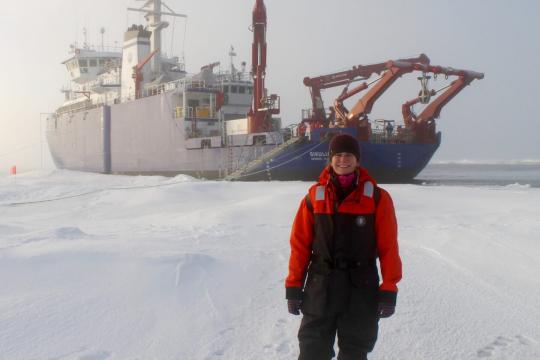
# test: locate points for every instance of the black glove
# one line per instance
(385, 310)
(294, 306)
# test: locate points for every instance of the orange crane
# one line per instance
(423, 125)
(262, 106)
(359, 72)
(137, 73)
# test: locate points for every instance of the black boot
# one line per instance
(359, 356)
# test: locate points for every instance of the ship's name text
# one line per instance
(318, 155)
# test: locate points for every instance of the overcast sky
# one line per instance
(493, 119)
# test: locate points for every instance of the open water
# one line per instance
(481, 174)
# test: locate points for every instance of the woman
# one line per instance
(342, 226)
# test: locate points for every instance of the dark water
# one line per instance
(481, 174)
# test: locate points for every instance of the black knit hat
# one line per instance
(344, 143)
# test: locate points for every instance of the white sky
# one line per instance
(494, 118)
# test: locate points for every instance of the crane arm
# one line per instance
(144, 61)
(365, 104)
(210, 66)
(423, 125)
(409, 117)
(137, 72)
(363, 71)
(359, 72)
(396, 69)
(433, 110)
(339, 107)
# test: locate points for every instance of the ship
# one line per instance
(137, 111)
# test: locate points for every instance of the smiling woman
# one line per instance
(344, 154)
(344, 163)
(342, 226)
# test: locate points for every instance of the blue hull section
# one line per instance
(386, 162)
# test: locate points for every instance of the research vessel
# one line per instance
(137, 111)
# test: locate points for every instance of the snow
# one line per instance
(176, 268)
(487, 162)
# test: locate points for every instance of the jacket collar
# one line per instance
(326, 176)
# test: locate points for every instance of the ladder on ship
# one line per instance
(243, 170)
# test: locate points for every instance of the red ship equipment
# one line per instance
(137, 73)
(262, 106)
(357, 73)
(422, 126)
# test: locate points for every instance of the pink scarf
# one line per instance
(345, 181)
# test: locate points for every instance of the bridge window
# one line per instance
(241, 90)
(234, 89)
(206, 143)
(259, 140)
(83, 63)
(72, 65)
(226, 88)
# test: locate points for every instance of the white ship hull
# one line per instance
(144, 137)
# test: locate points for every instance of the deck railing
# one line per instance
(403, 136)
(182, 84)
(198, 112)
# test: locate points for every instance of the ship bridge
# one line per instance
(86, 65)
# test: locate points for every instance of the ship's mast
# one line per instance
(155, 25)
(152, 9)
(258, 67)
(232, 54)
(262, 107)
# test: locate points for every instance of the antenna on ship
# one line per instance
(102, 31)
(153, 13)
(85, 34)
(232, 54)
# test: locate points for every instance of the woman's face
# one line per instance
(343, 163)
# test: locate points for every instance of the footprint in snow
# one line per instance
(219, 352)
(280, 347)
(95, 355)
(523, 340)
(216, 354)
(85, 355)
(500, 344)
(224, 331)
(284, 347)
(70, 233)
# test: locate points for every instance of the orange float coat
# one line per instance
(360, 204)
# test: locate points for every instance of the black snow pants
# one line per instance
(343, 303)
